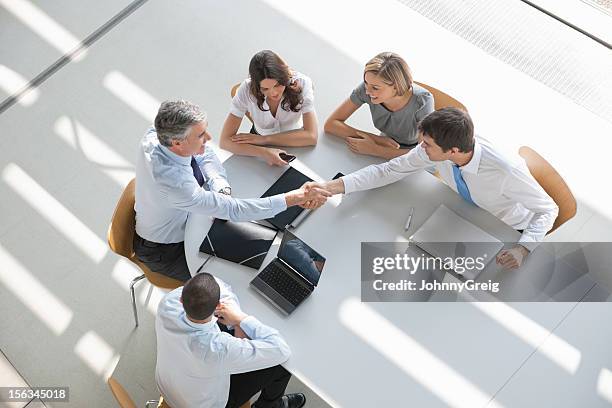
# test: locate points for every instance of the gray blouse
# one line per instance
(401, 125)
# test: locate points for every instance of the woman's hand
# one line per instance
(271, 156)
(362, 144)
(248, 138)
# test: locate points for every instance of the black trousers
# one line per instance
(167, 259)
(271, 381)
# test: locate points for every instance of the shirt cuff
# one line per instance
(249, 325)
(218, 183)
(349, 184)
(528, 242)
(278, 202)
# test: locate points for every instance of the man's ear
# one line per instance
(181, 299)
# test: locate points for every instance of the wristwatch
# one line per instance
(226, 191)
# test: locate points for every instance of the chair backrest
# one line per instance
(121, 395)
(123, 223)
(441, 99)
(234, 89)
(233, 92)
(552, 182)
(121, 237)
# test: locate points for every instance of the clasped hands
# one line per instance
(315, 195)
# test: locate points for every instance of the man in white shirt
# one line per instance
(200, 364)
(175, 175)
(476, 171)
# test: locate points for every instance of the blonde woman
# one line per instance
(396, 103)
(280, 102)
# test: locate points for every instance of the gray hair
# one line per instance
(174, 119)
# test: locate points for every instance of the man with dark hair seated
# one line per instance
(472, 167)
(200, 363)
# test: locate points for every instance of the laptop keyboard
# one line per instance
(287, 287)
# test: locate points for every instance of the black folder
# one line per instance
(291, 179)
(245, 243)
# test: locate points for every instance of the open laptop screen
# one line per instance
(305, 260)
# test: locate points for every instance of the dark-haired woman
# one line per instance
(280, 102)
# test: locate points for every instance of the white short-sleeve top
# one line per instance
(265, 123)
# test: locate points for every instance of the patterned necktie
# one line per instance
(197, 173)
(462, 188)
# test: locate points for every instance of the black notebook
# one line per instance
(245, 243)
(291, 179)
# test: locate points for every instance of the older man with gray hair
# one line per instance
(177, 174)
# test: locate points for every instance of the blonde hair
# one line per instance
(392, 69)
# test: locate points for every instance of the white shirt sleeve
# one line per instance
(265, 348)
(521, 188)
(240, 101)
(378, 175)
(308, 95)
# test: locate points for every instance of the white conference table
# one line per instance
(357, 354)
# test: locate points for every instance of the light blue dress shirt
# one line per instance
(167, 191)
(195, 361)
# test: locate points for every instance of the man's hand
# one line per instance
(229, 313)
(272, 157)
(312, 204)
(309, 192)
(332, 187)
(248, 138)
(512, 258)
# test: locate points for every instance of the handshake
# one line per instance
(313, 195)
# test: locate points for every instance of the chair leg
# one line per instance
(134, 281)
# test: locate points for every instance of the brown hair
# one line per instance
(449, 127)
(392, 69)
(268, 65)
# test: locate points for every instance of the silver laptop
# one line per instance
(447, 235)
(291, 277)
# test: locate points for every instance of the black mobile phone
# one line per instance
(287, 157)
(337, 176)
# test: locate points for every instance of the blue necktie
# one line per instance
(197, 173)
(462, 188)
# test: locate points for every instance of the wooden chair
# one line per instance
(121, 241)
(233, 92)
(552, 182)
(124, 399)
(441, 99)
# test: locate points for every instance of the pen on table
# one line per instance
(409, 220)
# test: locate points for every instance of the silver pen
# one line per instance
(409, 220)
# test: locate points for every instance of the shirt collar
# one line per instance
(186, 161)
(208, 326)
(474, 163)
